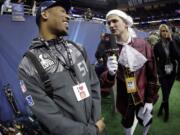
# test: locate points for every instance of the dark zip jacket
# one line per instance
(62, 114)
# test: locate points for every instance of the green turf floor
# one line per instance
(158, 127)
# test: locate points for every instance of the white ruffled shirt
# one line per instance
(130, 57)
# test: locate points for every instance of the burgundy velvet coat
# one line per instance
(146, 78)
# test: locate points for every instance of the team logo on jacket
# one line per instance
(45, 61)
(29, 100)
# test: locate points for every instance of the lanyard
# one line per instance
(66, 64)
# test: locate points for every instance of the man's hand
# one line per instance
(112, 65)
(101, 125)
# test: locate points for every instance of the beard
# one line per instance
(62, 33)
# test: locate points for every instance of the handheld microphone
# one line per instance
(107, 47)
(112, 49)
(112, 52)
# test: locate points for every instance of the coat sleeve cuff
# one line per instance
(109, 78)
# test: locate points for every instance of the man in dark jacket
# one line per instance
(73, 107)
(176, 42)
(105, 47)
(136, 87)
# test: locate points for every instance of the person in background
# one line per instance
(135, 72)
(153, 38)
(88, 15)
(69, 101)
(103, 48)
(176, 37)
(6, 6)
(166, 59)
(100, 64)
